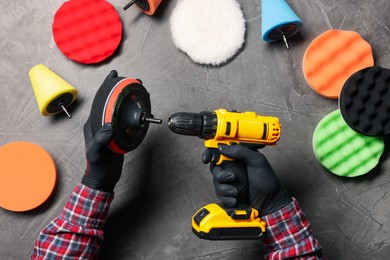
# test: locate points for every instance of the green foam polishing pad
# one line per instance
(343, 151)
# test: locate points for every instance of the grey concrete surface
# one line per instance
(164, 181)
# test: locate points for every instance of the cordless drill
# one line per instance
(217, 221)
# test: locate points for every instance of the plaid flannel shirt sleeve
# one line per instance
(289, 236)
(77, 233)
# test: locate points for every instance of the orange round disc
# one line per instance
(332, 58)
(27, 176)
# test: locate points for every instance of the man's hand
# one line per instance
(266, 193)
(104, 167)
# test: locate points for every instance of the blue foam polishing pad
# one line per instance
(278, 18)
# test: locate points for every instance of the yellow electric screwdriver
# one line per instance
(217, 221)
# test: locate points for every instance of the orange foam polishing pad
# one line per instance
(27, 176)
(332, 58)
(153, 4)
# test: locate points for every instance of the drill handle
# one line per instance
(237, 168)
(241, 183)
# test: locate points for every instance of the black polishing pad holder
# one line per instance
(130, 104)
(365, 101)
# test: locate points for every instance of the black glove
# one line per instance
(104, 167)
(266, 193)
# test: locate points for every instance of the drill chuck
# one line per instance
(202, 124)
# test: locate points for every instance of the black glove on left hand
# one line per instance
(104, 167)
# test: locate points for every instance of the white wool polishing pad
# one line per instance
(209, 31)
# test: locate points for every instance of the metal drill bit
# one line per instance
(152, 120)
(66, 111)
(129, 4)
(285, 41)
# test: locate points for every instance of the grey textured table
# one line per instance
(164, 181)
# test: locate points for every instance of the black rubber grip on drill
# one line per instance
(239, 170)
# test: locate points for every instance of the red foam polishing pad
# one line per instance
(27, 176)
(87, 31)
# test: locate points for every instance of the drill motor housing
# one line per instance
(223, 127)
(246, 127)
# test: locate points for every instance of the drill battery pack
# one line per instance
(217, 222)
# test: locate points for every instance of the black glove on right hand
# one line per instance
(266, 193)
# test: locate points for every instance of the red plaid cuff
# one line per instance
(289, 235)
(87, 207)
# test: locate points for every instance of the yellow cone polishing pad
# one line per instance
(53, 94)
(343, 151)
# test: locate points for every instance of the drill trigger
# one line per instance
(211, 155)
